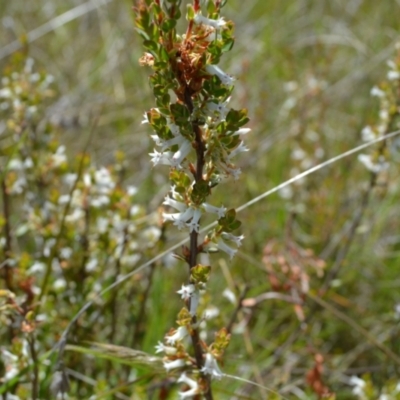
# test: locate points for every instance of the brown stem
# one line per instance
(35, 378)
(8, 272)
(198, 176)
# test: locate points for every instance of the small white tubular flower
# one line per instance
(223, 77)
(194, 302)
(171, 142)
(170, 365)
(157, 140)
(228, 294)
(175, 204)
(168, 350)
(145, 119)
(220, 211)
(376, 92)
(180, 222)
(194, 387)
(393, 75)
(174, 128)
(239, 149)
(219, 109)
(367, 134)
(380, 166)
(174, 193)
(179, 334)
(233, 238)
(211, 367)
(170, 217)
(193, 224)
(225, 248)
(183, 151)
(186, 291)
(241, 131)
(358, 385)
(235, 172)
(161, 158)
(214, 23)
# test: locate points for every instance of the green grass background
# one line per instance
(342, 43)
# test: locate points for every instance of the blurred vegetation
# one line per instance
(314, 290)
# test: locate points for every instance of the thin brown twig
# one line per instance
(200, 151)
(35, 378)
(8, 272)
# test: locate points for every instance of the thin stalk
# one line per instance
(35, 378)
(8, 272)
(198, 176)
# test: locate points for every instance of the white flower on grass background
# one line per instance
(168, 350)
(178, 335)
(214, 23)
(194, 387)
(211, 367)
(186, 291)
(170, 365)
(223, 77)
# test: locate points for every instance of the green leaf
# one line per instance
(151, 46)
(190, 12)
(168, 25)
(200, 192)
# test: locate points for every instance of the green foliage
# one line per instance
(304, 71)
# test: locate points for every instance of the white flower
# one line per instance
(168, 350)
(241, 131)
(186, 291)
(5, 93)
(380, 166)
(174, 193)
(211, 312)
(393, 75)
(179, 334)
(239, 149)
(194, 387)
(375, 91)
(59, 157)
(220, 211)
(228, 294)
(175, 204)
(214, 23)
(104, 180)
(235, 172)
(223, 77)
(367, 134)
(170, 365)
(157, 140)
(181, 154)
(224, 247)
(163, 158)
(233, 238)
(358, 384)
(173, 128)
(211, 367)
(131, 190)
(194, 302)
(16, 165)
(180, 219)
(145, 119)
(193, 224)
(91, 265)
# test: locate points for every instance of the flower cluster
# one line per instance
(388, 94)
(198, 136)
(68, 227)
